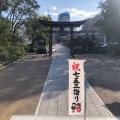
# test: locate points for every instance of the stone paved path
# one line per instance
(54, 101)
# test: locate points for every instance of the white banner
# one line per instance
(76, 87)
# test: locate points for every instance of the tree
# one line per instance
(4, 25)
(88, 43)
(36, 31)
(110, 24)
(4, 31)
(4, 5)
(20, 11)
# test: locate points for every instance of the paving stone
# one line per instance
(53, 100)
(37, 118)
(62, 111)
(65, 78)
(97, 118)
(90, 91)
(47, 89)
(53, 94)
(103, 110)
(87, 112)
(88, 99)
(93, 110)
(46, 96)
(17, 117)
(62, 87)
(53, 109)
(96, 100)
(43, 108)
(67, 118)
(62, 103)
(51, 118)
(62, 97)
(54, 88)
(82, 118)
(32, 117)
(108, 118)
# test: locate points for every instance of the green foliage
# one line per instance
(86, 44)
(101, 50)
(11, 44)
(4, 31)
(110, 24)
(4, 56)
(4, 25)
(27, 48)
(36, 32)
(46, 18)
(114, 50)
(4, 5)
(107, 50)
(12, 53)
(20, 11)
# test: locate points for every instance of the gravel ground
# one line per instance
(103, 73)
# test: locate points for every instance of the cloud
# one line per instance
(54, 8)
(51, 13)
(75, 13)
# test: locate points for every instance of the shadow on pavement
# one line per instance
(24, 78)
(102, 71)
(103, 74)
(114, 105)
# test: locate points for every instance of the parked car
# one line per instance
(41, 50)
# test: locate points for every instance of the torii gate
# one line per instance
(61, 25)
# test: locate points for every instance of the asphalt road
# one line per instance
(21, 84)
(103, 73)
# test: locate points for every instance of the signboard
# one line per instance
(76, 87)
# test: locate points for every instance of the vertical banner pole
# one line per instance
(85, 105)
(85, 98)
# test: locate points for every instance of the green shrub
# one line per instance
(1, 65)
(19, 55)
(13, 57)
(27, 48)
(24, 53)
(11, 53)
(1, 49)
(117, 50)
(107, 50)
(4, 56)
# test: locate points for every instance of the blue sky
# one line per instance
(79, 9)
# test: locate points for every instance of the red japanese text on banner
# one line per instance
(76, 87)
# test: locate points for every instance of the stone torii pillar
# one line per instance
(50, 42)
(71, 43)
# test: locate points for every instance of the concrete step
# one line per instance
(32, 117)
